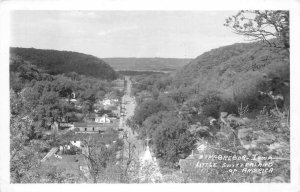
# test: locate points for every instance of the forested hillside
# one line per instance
(238, 72)
(57, 62)
(146, 64)
(218, 100)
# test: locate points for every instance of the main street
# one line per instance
(128, 103)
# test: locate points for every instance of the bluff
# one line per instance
(57, 62)
(238, 71)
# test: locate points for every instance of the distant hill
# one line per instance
(146, 64)
(56, 62)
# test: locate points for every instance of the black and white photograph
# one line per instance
(150, 96)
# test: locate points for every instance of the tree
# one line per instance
(180, 95)
(129, 157)
(262, 25)
(146, 109)
(24, 160)
(65, 86)
(98, 155)
(171, 138)
(55, 174)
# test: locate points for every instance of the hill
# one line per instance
(238, 71)
(56, 62)
(146, 64)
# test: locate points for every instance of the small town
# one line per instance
(108, 119)
(115, 97)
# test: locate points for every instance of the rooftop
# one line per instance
(94, 124)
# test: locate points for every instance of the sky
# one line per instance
(168, 34)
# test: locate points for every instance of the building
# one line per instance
(107, 102)
(65, 125)
(149, 171)
(56, 126)
(76, 143)
(103, 119)
(93, 127)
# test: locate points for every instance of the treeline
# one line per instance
(147, 64)
(57, 62)
(133, 73)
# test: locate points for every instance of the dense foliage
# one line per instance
(56, 62)
(221, 80)
(239, 72)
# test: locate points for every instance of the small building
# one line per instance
(103, 119)
(107, 102)
(65, 125)
(93, 127)
(76, 143)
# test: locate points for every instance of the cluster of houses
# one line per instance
(99, 125)
(106, 116)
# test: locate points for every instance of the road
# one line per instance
(129, 105)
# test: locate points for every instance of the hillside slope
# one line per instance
(146, 64)
(56, 62)
(235, 70)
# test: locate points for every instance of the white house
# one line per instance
(103, 119)
(76, 143)
(106, 102)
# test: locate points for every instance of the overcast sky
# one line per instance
(173, 34)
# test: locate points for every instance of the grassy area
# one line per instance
(70, 163)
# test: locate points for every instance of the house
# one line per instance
(76, 143)
(107, 102)
(65, 125)
(93, 127)
(103, 119)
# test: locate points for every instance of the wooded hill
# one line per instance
(57, 62)
(230, 80)
(238, 71)
(146, 64)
